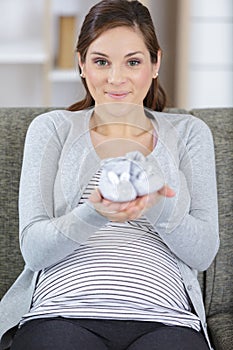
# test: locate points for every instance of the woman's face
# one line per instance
(118, 67)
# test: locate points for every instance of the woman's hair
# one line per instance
(109, 14)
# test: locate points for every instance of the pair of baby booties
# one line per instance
(124, 178)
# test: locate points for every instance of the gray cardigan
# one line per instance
(59, 160)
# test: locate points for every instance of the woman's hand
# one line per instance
(125, 211)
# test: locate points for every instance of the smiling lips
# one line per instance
(117, 95)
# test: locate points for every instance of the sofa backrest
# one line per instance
(13, 126)
(218, 279)
(216, 282)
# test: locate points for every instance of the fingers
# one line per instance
(166, 191)
(95, 196)
(130, 213)
(125, 211)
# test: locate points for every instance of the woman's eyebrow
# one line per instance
(98, 53)
(128, 54)
(134, 53)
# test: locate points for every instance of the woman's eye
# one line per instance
(134, 63)
(101, 62)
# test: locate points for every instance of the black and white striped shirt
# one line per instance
(124, 271)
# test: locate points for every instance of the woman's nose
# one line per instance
(116, 75)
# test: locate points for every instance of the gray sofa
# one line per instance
(216, 282)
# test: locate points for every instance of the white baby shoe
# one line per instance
(125, 178)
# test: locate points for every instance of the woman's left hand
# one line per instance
(125, 211)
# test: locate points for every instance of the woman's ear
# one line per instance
(156, 65)
(81, 65)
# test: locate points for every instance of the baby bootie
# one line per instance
(125, 178)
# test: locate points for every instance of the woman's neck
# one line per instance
(115, 135)
(121, 121)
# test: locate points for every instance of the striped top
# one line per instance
(123, 272)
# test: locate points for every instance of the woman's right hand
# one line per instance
(125, 211)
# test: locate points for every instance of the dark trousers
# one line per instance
(89, 334)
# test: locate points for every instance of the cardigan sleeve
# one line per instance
(44, 238)
(188, 222)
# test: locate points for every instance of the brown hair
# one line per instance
(108, 14)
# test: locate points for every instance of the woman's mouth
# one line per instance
(117, 95)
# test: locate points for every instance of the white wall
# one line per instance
(27, 52)
(195, 35)
(22, 53)
(206, 62)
